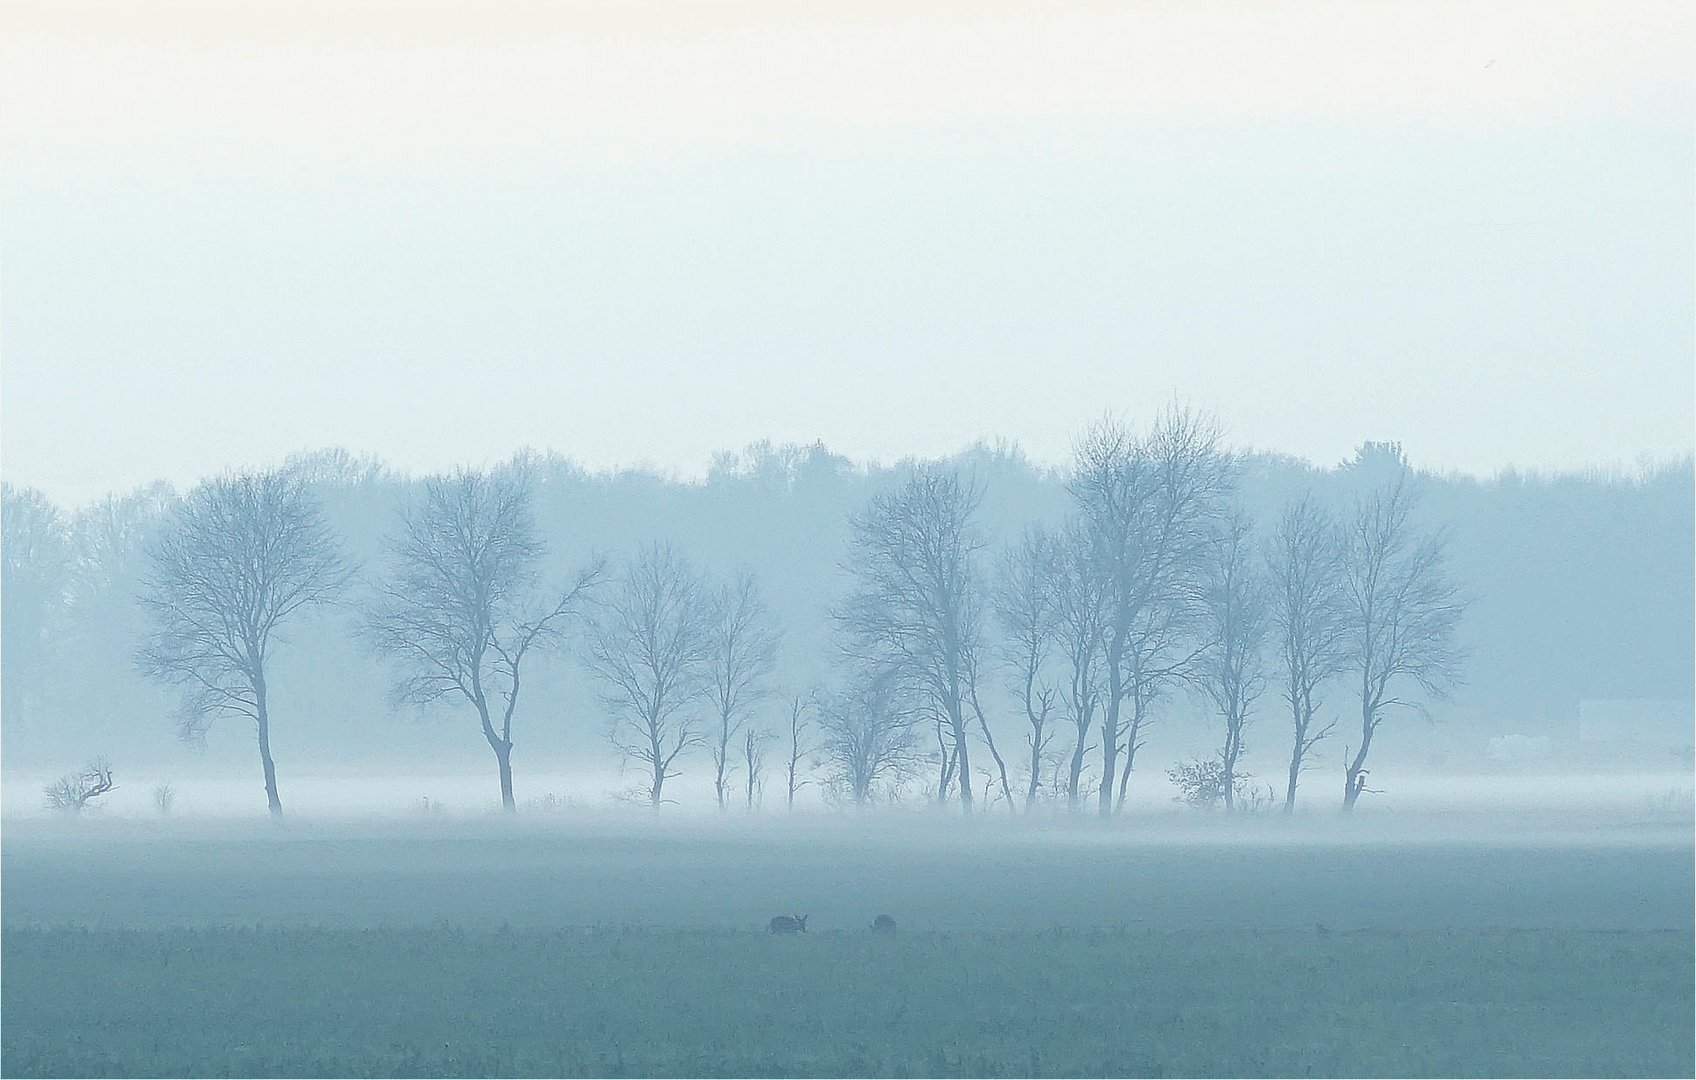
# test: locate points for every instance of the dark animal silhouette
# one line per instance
(788, 924)
(883, 924)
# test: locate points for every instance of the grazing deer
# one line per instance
(788, 924)
(883, 924)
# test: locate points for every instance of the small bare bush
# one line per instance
(73, 791)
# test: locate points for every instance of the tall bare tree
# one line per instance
(1080, 612)
(1231, 670)
(798, 747)
(1025, 604)
(463, 604)
(652, 649)
(743, 651)
(870, 735)
(239, 557)
(914, 605)
(754, 742)
(1146, 505)
(1306, 607)
(1403, 611)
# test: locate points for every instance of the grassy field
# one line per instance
(484, 950)
(691, 1003)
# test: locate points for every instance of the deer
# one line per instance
(883, 924)
(787, 924)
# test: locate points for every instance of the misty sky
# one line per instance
(639, 233)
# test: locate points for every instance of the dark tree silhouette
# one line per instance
(1025, 604)
(798, 748)
(870, 735)
(914, 607)
(1231, 670)
(652, 649)
(743, 651)
(240, 556)
(463, 606)
(1402, 613)
(1146, 506)
(73, 791)
(1305, 598)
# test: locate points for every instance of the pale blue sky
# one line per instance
(641, 242)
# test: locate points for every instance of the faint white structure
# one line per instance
(1507, 748)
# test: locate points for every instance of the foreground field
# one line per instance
(680, 1003)
(637, 948)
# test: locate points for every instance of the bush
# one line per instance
(73, 791)
(1201, 783)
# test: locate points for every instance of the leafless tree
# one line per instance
(743, 650)
(798, 748)
(1231, 670)
(1403, 611)
(652, 649)
(73, 791)
(1080, 611)
(164, 797)
(1024, 601)
(1146, 505)
(240, 556)
(870, 735)
(463, 605)
(1306, 609)
(754, 742)
(914, 605)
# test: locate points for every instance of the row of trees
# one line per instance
(1156, 583)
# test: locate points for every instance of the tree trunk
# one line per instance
(1109, 764)
(1299, 715)
(962, 761)
(1125, 773)
(1233, 738)
(1354, 774)
(503, 763)
(1110, 731)
(1001, 766)
(263, 719)
(1073, 796)
(1036, 767)
(1295, 771)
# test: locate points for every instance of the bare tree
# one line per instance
(240, 556)
(1231, 670)
(743, 651)
(1305, 587)
(1146, 506)
(463, 605)
(754, 743)
(1080, 611)
(72, 792)
(870, 735)
(652, 649)
(914, 606)
(798, 706)
(164, 797)
(1403, 611)
(1024, 601)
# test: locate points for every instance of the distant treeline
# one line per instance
(975, 628)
